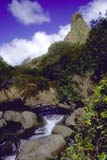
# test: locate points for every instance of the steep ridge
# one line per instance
(79, 30)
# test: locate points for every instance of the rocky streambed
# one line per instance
(34, 133)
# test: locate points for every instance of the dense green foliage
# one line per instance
(67, 89)
(28, 81)
(5, 74)
(91, 131)
(63, 62)
(96, 46)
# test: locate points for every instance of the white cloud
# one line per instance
(92, 9)
(19, 49)
(28, 12)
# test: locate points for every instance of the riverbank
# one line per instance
(20, 123)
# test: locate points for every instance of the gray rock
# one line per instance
(12, 116)
(42, 149)
(64, 105)
(71, 105)
(28, 119)
(79, 30)
(2, 123)
(1, 114)
(70, 121)
(62, 130)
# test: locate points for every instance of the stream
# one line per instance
(50, 121)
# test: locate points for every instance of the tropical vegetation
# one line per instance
(79, 72)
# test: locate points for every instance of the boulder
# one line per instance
(42, 149)
(62, 130)
(71, 106)
(70, 121)
(2, 123)
(12, 116)
(28, 119)
(1, 114)
(64, 105)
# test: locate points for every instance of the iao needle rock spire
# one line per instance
(79, 30)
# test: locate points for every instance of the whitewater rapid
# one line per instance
(50, 122)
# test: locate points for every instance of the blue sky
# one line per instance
(29, 27)
(56, 13)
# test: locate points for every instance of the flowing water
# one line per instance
(50, 122)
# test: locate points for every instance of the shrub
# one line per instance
(91, 131)
(96, 46)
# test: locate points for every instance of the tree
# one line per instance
(5, 76)
(97, 46)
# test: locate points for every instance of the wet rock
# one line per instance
(42, 149)
(1, 114)
(69, 105)
(6, 148)
(71, 120)
(14, 105)
(51, 109)
(62, 130)
(8, 145)
(12, 116)
(13, 128)
(64, 105)
(28, 119)
(2, 123)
